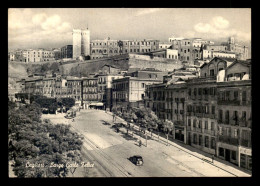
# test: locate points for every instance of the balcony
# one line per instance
(211, 116)
(168, 110)
(210, 132)
(199, 115)
(246, 103)
(246, 143)
(198, 130)
(234, 122)
(229, 102)
(206, 97)
(179, 123)
(161, 110)
(228, 140)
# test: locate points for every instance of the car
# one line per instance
(137, 160)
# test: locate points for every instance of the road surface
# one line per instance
(109, 151)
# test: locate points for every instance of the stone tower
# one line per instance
(81, 43)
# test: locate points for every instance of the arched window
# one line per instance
(110, 51)
(100, 51)
(115, 51)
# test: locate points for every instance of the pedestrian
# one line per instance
(213, 158)
(140, 143)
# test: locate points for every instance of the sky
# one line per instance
(52, 27)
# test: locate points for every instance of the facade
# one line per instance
(129, 91)
(74, 88)
(67, 51)
(172, 54)
(209, 54)
(241, 51)
(81, 43)
(107, 47)
(188, 49)
(90, 93)
(104, 88)
(201, 114)
(164, 45)
(38, 55)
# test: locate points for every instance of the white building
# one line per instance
(171, 54)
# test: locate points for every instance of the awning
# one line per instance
(96, 104)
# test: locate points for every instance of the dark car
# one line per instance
(137, 160)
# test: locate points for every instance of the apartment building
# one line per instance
(90, 93)
(104, 89)
(130, 91)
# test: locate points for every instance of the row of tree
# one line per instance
(146, 119)
(39, 143)
(49, 105)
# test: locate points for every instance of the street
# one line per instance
(109, 151)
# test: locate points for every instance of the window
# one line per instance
(227, 117)
(212, 109)
(200, 140)
(194, 123)
(189, 92)
(211, 72)
(221, 152)
(195, 138)
(200, 124)
(235, 95)
(244, 96)
(189, 122)
(206, 125)
(220, 113)
(207, 141)
(143, 85)
(213, 143)
(233, 155)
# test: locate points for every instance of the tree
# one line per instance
(168, 127)
(33, 141)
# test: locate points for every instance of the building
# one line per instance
(81, 44)
(172, 54)
(240, 50)
(109, 69)
(201, 114)
(188, 49)
(104, 88)
(129, 91)
(67, 51)
(235, 115)
(164, 45)
(74, 89)
(37, 55)
(90, 93)
(108, 47)
(11, 56)
(209, 54)
(214, 66)
(57, 53)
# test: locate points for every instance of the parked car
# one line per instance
(137, 160)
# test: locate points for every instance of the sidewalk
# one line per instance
(219, 163)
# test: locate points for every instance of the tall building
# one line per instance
(81, 43)
(66, 51)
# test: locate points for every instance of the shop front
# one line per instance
(227, 152)
(245, 160)
(179, 133)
